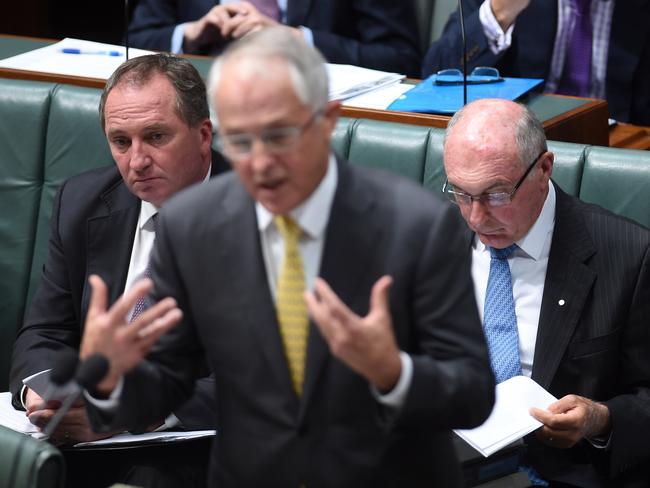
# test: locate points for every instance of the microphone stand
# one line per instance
(127, 18)
(464, 38)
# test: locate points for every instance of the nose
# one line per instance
(261, 157)
(476, 213)
(140, 158)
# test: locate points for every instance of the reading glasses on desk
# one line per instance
(480, 75)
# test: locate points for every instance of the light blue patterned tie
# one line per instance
(500, 324)
(500, 321)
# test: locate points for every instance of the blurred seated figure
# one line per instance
(586, 48)
(378, 34)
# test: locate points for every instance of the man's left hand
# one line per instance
(571, 419)
(366, 344)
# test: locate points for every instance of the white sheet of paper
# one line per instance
(347, 81)
(380, 98)
(50, 59)
(15, 419)
(509, 419)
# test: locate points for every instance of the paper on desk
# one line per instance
(50, 59)
(15, 419)
(347, 81)
(509, 419)
(18, 421)
(125, 438)
(380, 98)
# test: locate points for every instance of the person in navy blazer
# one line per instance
(378, 34)
(94, 220)
(581, 289)
(627, 83)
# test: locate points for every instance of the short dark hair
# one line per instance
(191, 96)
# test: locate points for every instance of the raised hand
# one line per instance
(366, 344)
(506, 11)
(124, 344)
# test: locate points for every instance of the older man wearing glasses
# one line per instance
(366, 392)
(564, 292)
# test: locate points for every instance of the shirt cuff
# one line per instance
(397, 396)
(498, 40)
(23, 395)
(600, 442)
(170, 422)
(177, 39)
(110, 404)
(307, 34)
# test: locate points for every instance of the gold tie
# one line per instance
(290, 304)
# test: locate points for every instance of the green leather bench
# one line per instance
(49, 132)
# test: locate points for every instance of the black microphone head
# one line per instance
(65, 367)
(92, 371)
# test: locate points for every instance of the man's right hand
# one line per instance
(506, 11)
(74, 426)
(124, 344)
(206, 30)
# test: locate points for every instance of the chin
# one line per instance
(496, 241)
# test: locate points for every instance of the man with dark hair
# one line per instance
(155, 115)
(363, 394)
(564, 291)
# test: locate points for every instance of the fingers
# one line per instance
(98, 296)
(379, 295)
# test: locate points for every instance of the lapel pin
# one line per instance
(561, 303)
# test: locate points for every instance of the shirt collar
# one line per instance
(533, 242)
(148, 210)
(312, 214)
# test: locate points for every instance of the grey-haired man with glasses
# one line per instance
(563, 288)
(334, 303)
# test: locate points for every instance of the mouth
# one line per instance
(270, 185)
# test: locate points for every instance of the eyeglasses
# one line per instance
(497, 199)
(479, 76)
(277, 140)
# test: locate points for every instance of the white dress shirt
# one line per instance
(528, 269)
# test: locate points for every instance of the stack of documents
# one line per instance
(509, 420)
(73, 57)
(347, 81)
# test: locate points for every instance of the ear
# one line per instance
(205, 134)
(331, 115)
(546, 165)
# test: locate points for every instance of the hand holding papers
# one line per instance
(510, 418)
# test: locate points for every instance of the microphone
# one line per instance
(88, 374)
(127, 21)
(464, 39)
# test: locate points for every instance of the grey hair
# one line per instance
(191, 97)
(529, 133)
(305, 63)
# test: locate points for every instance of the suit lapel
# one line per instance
(344, 263)
(250, 284)
(110, 241)
(567, 285)
(297, 12)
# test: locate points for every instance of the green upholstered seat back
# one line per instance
(29, 463)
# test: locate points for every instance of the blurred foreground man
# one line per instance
(363, 394)
(564, 292)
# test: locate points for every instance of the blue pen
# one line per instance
(76, 50)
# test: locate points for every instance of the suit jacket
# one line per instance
(597, 344)
(379, 34)
(93, 223)
(336, 434)
(533, 38)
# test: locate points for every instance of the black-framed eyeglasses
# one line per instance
(479, 76)
(277, 140)
(497, 199)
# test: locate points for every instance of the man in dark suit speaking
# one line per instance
(573, 313)
(366, 393)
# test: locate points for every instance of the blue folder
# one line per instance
(428, 97)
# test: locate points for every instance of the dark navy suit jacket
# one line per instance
(378, 34)
(628, 61)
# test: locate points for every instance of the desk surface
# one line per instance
(564, 118)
